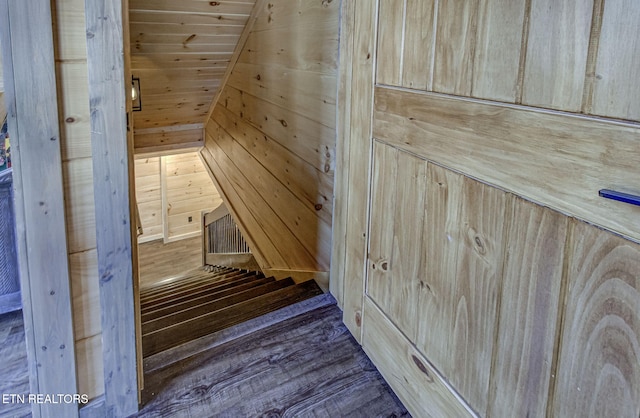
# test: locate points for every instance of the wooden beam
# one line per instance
(29, 68)
(108, 95)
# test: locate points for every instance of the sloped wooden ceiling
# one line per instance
(180, 50)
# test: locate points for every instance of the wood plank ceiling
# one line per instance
(180, 50)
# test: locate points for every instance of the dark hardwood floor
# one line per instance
(299, 361)
(306, 365)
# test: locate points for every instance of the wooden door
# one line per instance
(482, 272)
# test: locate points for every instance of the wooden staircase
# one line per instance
(204, 302)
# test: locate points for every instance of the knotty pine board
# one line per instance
(474, 228)
(419, 41)
(74, 110)
(274, 47)
(310, 185)
(307, 93)
(258, 238)
(300, 221)
(193, 6)
(304, 14)
(285, 127)
(396, 247)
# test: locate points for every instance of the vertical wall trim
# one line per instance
(27, 41)
(359, 139)
(107, 95)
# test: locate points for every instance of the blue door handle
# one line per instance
(620, 197)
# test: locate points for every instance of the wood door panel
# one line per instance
(529, 306)
(423, 391)
(398, 206)
(558, 160)
(598, 371)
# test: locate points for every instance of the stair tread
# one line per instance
(193, 279)
(201, 280)
(188, 277)
(156, 311)
(178, 317)
(203, 288)
(183, 332)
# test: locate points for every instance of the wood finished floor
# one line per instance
(158, 261)
(284, 364)
(304, 366)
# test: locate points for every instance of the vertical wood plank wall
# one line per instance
(71, 64)
(270, 142)
(187, 190)
(28, 54)
(497, 282)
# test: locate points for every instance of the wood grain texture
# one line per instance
(273, 128)
(310, 185)
(391, 42)
(410, 375)
(617, 68)
(396, 236)
(31, 84)
(188, 191)
(169, 141)
(250, 227)
(285, 368)
(110, 150)
(529, 311)
(598, 372)
(286, 128)
(342, 155)
(79, 204)
(307, 93)
(471, 284)
(419, 44)
(292, 224)
(498, 49)
(558, 43)
(455, 46)
(558, 160)
(74, 109)
(358, 137)
(159, 261)
(192, 36)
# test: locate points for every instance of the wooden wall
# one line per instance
(71, 66)
(149, 198)
(483, 273)
(169, 190)
(270, 140)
